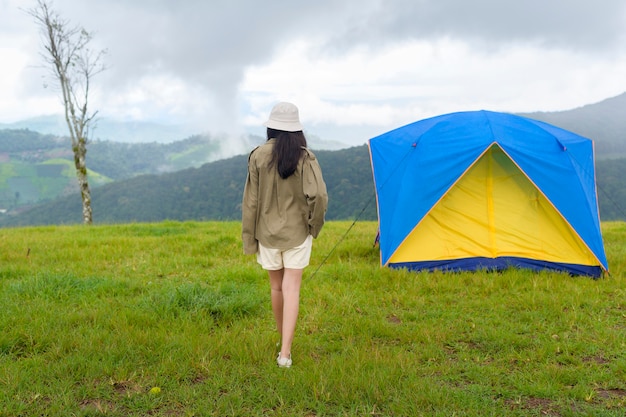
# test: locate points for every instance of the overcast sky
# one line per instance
(363, 66)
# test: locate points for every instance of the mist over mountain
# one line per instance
(108, 129)
(604, 122)
(133, 132)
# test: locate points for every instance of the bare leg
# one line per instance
(292, 280)
(276, 283)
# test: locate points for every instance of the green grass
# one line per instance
(23, 183)
(170, 319)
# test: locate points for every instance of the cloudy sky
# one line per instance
(355, 68)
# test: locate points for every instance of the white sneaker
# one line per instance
(283, 362)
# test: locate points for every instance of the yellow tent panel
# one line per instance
(492, 211)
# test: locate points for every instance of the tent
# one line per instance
(484, 190)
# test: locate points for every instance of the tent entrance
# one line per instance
(493, 211)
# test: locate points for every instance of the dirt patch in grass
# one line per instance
(545, 406)
(596, 359)
(100, 406)
(611, 393)
(393, 319)
(127, 387)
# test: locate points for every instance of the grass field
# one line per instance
(170, 319)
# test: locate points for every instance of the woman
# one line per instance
(284, 203)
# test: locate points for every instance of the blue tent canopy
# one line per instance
(417, 165)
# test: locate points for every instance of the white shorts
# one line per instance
(294, 258)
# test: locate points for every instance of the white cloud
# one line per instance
(18, 98)
(368, 64)
(414, 79)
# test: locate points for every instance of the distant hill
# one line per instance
(603, 122)
(36, 167)
(611, 188)
(212, 191)
(28, 176)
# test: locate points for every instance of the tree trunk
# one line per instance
(80, 151)
(73, 64)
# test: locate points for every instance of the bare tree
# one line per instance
(73, 65)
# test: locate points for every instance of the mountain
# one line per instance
(36, 167)
(604, 122)
(212, 191)
(151, 181)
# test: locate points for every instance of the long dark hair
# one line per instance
(287, 150)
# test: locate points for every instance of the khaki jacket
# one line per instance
(281, 213)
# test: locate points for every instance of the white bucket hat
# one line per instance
(284, 116)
